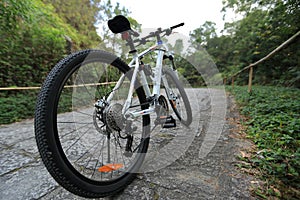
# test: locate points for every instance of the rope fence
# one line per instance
(67, 86)
(250, 67)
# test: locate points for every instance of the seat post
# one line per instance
(126, 35)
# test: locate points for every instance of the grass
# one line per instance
(273, 124)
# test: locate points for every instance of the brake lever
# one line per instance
(134, 33)
(168, 31)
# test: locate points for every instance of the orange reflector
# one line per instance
(110, 167)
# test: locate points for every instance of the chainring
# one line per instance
(163, 108)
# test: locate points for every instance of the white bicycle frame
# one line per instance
(135, 63)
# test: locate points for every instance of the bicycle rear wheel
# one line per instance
(85, 143)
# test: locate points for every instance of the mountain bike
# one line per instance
(95, 113)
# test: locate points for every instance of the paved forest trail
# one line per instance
(204, 170)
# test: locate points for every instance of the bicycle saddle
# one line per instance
(119, 24)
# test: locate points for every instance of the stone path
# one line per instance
(206, 170)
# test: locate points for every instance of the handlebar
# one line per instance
(157, 33)
(176, 26)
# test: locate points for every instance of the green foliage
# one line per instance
(274, 126)
(36, 44)
(263, 27)
(12, 12)
(189, 72)
(16, 106)
(203, 34)
(33, 39)
(80, 15)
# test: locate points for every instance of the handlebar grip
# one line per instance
(176, 26)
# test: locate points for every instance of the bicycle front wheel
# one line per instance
(177, 97)
(84, 141)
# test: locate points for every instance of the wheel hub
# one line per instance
(109, 116)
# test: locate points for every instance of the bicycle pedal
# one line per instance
(127, 154)
(169, 122)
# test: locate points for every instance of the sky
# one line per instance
(166, 13)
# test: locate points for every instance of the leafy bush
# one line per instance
(17, 106)
(32, 41)
(274, 126)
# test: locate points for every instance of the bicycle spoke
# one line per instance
(96, 164)
(88, 151)
(76, 129)
(78, 139)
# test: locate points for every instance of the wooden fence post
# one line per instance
(224, 81)
(250, 67)
(250, 79)
(69, 44)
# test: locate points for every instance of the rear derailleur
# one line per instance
(111, 118)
